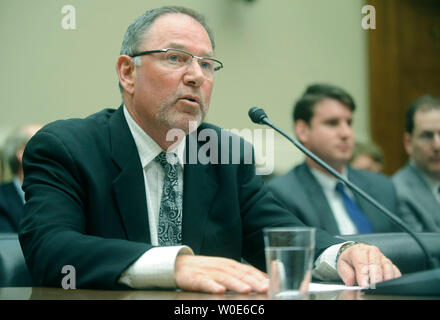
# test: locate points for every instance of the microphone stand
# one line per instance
(258, 116)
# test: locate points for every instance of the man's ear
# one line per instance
(302, 130)
(407, 143)
(126, 73)
(19, 156)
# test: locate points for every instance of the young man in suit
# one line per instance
(11, 195)
(104, 197)
(418, 183)
(323, 123)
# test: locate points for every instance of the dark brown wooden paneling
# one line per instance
(404, 63)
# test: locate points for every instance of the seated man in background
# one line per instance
(323, 123)
(418, 183)
(2, 170)
(115, 197)
(367, 156)
(11, 195)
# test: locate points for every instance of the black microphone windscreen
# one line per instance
(257, 115)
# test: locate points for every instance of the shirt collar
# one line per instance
(17, 183)
(148, 148)
(327, 181)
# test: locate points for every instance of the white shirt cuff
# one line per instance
(325, 266)
(154, 269)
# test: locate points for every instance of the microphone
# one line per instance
(258, 116)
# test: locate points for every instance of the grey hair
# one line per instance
(135, 33)
(16, 140)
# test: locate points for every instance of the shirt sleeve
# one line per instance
(325, 266)
(154, 269)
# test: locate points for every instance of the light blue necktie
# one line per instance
(357, 216)
(170, 213)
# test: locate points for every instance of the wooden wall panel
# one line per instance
(404, 63)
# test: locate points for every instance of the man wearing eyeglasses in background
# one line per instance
(104, 197)
(418, 183)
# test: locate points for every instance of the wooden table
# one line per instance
(40, 293)
(160, 304)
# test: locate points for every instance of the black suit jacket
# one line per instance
(86, 204)
(300, 192)
(11, 208)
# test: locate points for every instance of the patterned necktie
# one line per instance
(357, 216)
(170, 213)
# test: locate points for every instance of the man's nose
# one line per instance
(436, 141)
(345, 130)
(194, 75)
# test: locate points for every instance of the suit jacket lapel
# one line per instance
(375, 217)
(200, 187)
(318, 200)
(421, 191)
(128, 186)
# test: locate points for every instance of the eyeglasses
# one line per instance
(176, 58)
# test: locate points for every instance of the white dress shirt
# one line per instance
(155, 268)
(17, 183)
(334, 198)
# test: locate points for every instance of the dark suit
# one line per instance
(302, 194)
(11, 207)
(86, 204)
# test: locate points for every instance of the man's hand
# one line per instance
(365, 265)
(216, 275)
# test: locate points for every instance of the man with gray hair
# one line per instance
(104, 196)
(11, 195)
(418, 183)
